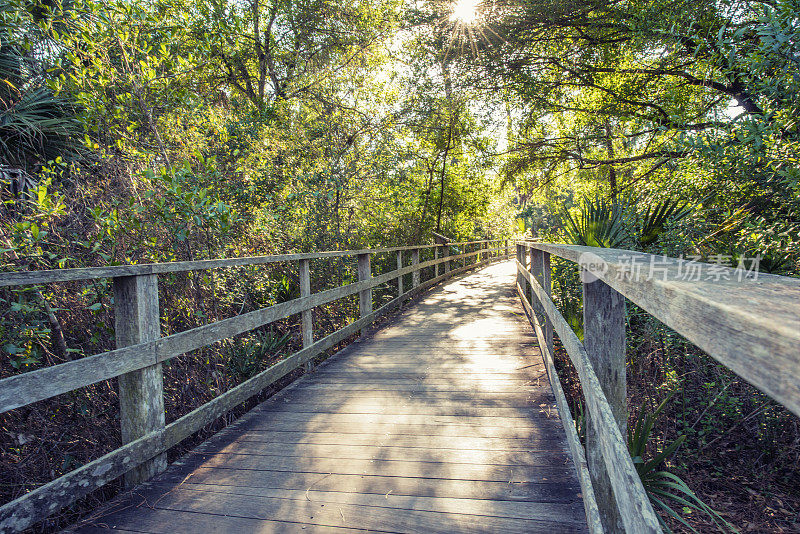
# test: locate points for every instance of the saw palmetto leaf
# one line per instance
(599, 223)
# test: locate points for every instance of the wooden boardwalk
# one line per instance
(442, 421)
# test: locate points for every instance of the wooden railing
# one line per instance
(749, 322)
(141, 350)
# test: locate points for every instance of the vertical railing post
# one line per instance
(415, 264)
(525, 265)
(365, 296)
(400, 278)
(604, 340)
(538, 275)
(507, 252)
(306, 321)
(540, 269)
(141, 392)
(547, 285)
(436, 257)
(533, 260)
(520, 259)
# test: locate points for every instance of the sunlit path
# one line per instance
(442, 421)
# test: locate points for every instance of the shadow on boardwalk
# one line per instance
(442, 421)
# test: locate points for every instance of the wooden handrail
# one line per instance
(749, 322)
(139, 356)
(115, 271)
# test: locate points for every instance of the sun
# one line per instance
(465, 11)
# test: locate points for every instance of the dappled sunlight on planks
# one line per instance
(443, 421)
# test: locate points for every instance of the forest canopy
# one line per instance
(276, 125)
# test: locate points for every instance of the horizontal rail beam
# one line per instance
(750, 325)
(114, 271)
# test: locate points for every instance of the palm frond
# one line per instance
(662, 486)
(599, 223)
(656, 218)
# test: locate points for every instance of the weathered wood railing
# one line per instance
(141, 350)
(747, 321)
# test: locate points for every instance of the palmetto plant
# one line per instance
(599, 223)
(603, 223)
(35, 124)
(655, 219)
(246, 357)
(665, 489)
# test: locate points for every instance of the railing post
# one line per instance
(547, 285)
(415, 263)
(306, 321)
(400, 278)
(604, 340)
(523, 259)
(507, 252)
(534, 262)
(536, 269)
(141, 393)
(436, 257)
(365, 296)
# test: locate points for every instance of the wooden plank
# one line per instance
(359, 421)
(549, 467)
(141, 392)
(461, 402)
(752, 326)
(439, 370)
(453, 431)
(634, 505)
(391, 406)
(417, 387)
(400, 278)
(529, 457)
(464, 378)
(378, 439)
(415, 265)
(547, 286)
(543, 491)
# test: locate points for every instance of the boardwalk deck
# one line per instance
(442, 421)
